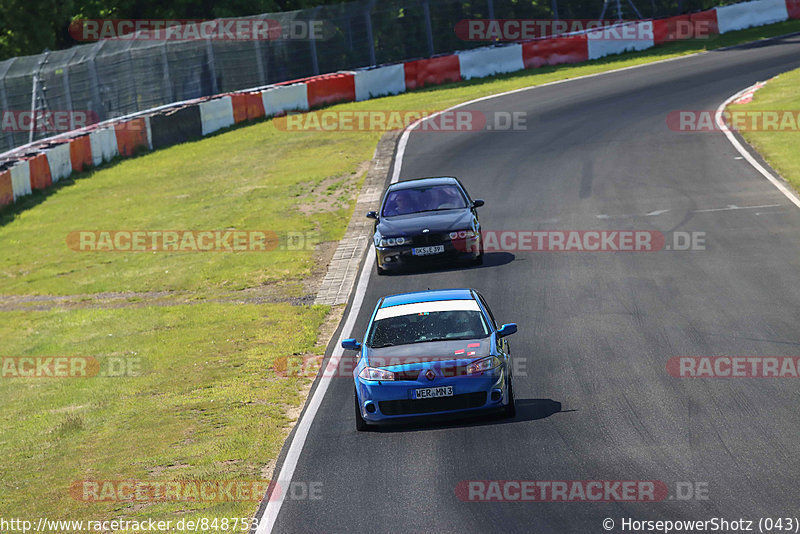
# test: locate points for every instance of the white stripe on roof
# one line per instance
(423, 307)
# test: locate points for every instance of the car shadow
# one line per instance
(490, 259)
(527, 410)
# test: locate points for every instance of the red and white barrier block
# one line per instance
(282, 98)
(482, 62)
(749, 14)
(382, 81)
(216, 114)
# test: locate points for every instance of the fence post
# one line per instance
(259, 59)
(169, 94)
(68, 90)
(491, 9)
(211, 68)
(313, 44)
(101, 115)
(4, 98)
(555, 9)
(428, 29)
(368, 21)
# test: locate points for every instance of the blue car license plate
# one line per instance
(431, 393)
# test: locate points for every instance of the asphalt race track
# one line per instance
(595, 401)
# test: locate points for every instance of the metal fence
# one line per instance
(111, 78)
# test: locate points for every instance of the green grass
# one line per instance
(209, 404)
(779, 148)
(206, 403)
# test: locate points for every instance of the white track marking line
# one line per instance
(732, 207)
(774, 180)
(270, 515)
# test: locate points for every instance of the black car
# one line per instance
(426, 220)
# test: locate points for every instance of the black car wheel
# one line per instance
(381, 271)
(510, 410)
(361, 425)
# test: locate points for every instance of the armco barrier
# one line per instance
(21, 179)
(255, 106)
(483, 62)
(80, 153)
(331, 89)
(604, 42)
(282, 98)
(542, 52)
(40, 172)
(58, 159)
(793, 9)
(749, 14)
(104, 145)
(705, 22)
(433, 71)
(176, 126)
(131, 136)
(382, 81)
(6, 189)
(216, 114)
(672, 29)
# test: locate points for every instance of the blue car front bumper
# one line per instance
(382, 401)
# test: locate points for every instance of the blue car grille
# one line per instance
(441, 404)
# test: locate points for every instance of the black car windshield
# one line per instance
(418, 199)
(422, 327)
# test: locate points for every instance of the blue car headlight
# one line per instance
(484, 364)
(373, 373)
(392, 241)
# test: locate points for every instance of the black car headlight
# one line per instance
(393, 241)
(462, 234)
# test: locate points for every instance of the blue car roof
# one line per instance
(431, 295)
(435, 180)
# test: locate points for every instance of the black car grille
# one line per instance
(441, 404)
(430, 239)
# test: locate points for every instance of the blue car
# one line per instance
(431, 353)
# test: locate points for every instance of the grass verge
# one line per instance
(778, 145)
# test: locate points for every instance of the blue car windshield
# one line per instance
(429, 326)
(419, 199)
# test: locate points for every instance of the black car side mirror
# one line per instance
(372, 215)
(478, 203)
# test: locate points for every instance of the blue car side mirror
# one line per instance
(372, 215)
(478, 203)
(351, 344)
(507, 330)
